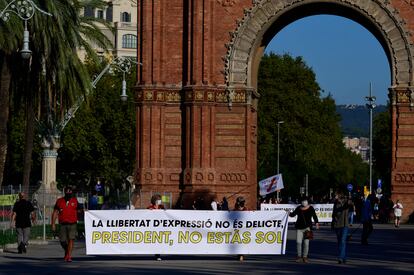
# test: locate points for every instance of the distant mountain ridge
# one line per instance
(355, 119)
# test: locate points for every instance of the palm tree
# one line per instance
(10, 35)
(57, 76)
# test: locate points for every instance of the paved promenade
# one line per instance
(390, 251)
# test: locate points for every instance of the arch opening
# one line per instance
(264, 20)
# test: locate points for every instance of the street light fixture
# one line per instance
(370, 105)
(25, 52)
(124, 96)
(25, 10)
(278, 142)
(52, 130)
(122, 64)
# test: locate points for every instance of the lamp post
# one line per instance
(122, 64)
(25, 10)
(370, 105)
(278, 142)
(51, 130)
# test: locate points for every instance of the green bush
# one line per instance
(7, 236)
(37, 232)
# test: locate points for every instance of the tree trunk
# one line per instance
(29, 137)
(4, 111)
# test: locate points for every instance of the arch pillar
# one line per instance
(220, 144)
(158, 141)
(191, 142)
(402, 172)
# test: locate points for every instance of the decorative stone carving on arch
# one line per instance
(263, 13)
(410, 2)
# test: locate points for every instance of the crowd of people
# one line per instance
(346, 211)
(383, 208)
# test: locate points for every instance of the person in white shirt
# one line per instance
(214, 204)
(397, 213)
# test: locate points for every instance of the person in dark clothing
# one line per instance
(224, 204)
(340, 223)
(366, 220)
(359, 201)
(351, 213)
(93, 201)
(22, 218)
(198, 204)
(240, 205)
(305, 213)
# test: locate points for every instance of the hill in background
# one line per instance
(355, 119)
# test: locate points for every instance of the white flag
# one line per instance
(271, 184)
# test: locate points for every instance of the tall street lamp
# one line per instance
(278, 142)
(51, 130)
(25, 10)
(370, 105)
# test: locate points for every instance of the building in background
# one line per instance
(122, 16)
(359, 146)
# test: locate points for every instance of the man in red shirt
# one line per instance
(66, 210)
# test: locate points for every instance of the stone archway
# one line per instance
(196, 91)
(381, 18)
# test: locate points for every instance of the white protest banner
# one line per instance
(323, 211)
(271, 184)
(185, 232)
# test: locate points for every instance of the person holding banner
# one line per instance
(240, 205)
(66, 211)
(156, 203)
(305, 213)
(224, 204)
(214, 204)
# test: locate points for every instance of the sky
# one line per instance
(344, 55)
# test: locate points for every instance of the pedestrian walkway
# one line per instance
(390, 251)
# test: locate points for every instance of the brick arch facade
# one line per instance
(378, 16)
(196, 98)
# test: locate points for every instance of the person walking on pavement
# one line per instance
(156, 203)
(366, 219)
(340, 223)
(351, 212)
(397, 213)
(66, 211)
(22, 218)
(305, 213)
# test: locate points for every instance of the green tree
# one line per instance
(57, 76)
(381, 148)
(11, 32)
(310, 138)
(100, 141)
